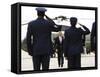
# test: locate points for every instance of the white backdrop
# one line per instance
(5, 39)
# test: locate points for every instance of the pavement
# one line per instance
(87, 60)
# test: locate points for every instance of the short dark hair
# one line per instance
(73, 21)
(39, 13)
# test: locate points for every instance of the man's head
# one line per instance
(41, 11)
(73, 21)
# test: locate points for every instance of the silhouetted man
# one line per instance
(39, 39)
(93, 38)
(59, 47)
(73, 44)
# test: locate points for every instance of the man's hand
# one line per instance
(30, 53)
(80, 24)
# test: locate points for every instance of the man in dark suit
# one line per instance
(93, 38)
(39, 39)
(59, 47)
(73, 43)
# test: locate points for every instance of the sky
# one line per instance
(85, 17)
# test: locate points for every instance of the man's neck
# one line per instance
(40, 17)
(73, 26)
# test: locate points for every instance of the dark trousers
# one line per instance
(60, 59)
(39, 60)
(74, 61)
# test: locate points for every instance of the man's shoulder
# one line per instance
(47, 21)
(80, 29)
(68, 29)
(31, 21)
(38, 20)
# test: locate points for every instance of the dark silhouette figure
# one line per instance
(93, 38)
(53, 55)
(59, 47)
(83, 42)
(39, 39)
(73, 44)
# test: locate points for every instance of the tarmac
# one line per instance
(87, 60)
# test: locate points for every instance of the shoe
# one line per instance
(61, 65)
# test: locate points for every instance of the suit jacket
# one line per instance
(40, 30)
(93, 37)
(73, 40)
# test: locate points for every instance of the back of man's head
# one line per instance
(41, 11)
(73, 21)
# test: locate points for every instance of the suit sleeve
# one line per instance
(93, 31)
(29, 44)
(92, 37)
(65, 44)
(55, 28)
(85, 31)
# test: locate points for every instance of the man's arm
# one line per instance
(86, 30)
(93, 31)
(29, 44)
(92, 37)
(65, 44)
(54, 26)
